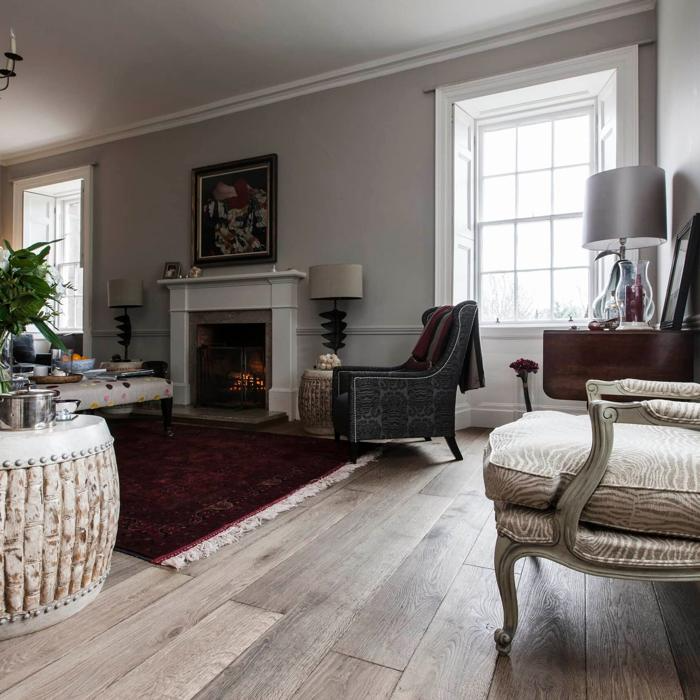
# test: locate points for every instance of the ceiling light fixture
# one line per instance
(9, 70)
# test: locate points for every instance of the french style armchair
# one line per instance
(417, 398)
(613, 494)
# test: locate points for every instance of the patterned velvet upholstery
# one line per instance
(651, 485)
(641, 387)
(598, 545)
(371, 403)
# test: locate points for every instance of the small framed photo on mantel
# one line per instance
(172, 270)
(234, 212)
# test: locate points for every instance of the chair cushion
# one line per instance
(431, 344)
(596, 545)
(652, 483)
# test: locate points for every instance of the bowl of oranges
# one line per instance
(76, 363)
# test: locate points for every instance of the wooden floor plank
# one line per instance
(124, 566)
(323, 562)
(182, 668)
(548, 657)
(23, 656)
(483, 550)
(288, 535)
(456, 657)
(343, 678)
(134, 640)
(628, 653)
(390, 626)
(277, 665)
(462, 476)
(680, 609)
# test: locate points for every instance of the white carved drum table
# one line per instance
(59, 508)
(315, 401)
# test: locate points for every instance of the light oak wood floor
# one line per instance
(380, 587)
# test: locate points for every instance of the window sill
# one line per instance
(522, 330)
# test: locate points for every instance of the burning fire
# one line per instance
(243, 381)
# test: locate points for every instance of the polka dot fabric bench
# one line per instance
(103, 393)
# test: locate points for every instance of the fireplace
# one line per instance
(231, 365)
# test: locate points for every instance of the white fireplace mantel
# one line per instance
(276, 291)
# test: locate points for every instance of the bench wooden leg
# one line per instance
(166, 406)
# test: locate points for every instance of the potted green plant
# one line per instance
(30, 291)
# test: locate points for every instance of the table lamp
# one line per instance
(624, 208)
(124, 294)
(335, 282)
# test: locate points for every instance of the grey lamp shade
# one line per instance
(335, 282)
(625, 203)
(124, 293)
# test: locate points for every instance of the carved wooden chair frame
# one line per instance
(603, 415)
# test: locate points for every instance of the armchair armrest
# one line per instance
(342, 376)
(688, 391)
(604, 415)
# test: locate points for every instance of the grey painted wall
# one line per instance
(356, 184)
(679, 120)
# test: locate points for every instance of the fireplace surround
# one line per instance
(255, 297)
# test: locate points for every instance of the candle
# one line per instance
(13, 43)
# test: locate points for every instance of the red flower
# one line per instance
(524, 366)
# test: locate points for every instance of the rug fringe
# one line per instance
(234, 533)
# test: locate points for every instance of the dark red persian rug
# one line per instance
(184, 497)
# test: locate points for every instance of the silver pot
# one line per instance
(30, 409)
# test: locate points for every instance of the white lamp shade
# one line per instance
(625, 203)
(124, 293)
(335, 282)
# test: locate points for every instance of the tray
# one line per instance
(50, 379)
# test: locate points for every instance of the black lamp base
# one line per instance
(124, 332)
(334, 327)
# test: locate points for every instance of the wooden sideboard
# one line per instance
(570, 358)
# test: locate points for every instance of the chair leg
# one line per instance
(428, 439)
(452, 442)
(166, 406)
(505, 557)
(354, 450)
(337, 436)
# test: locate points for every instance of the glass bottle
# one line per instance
(634, 295)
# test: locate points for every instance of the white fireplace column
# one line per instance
(276, 291)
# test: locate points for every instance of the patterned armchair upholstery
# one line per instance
(615, 494)
(379, 403)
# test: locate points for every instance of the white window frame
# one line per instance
(624, 61)
(86, 174)
(522, 118)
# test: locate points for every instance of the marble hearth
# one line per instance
(273, 293)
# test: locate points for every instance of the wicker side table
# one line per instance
(315, 395)
(59, 507)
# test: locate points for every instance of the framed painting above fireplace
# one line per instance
(234, 212)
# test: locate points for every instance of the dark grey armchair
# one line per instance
(379, 403)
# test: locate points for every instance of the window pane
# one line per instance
(534, 194)
(498, 198)
(498, 152)
(572, 140)
(535, 146)
(497, 297)
(533, 245)
(569, 185)
(571, 293)
(497, 247)
(533, 295)
(567, 244)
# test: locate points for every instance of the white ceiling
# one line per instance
(97, 65)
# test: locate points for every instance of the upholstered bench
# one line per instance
(105, 393)
(615, 493)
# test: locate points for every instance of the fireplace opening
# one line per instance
(231, 365)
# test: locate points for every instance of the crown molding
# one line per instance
(507, 35)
